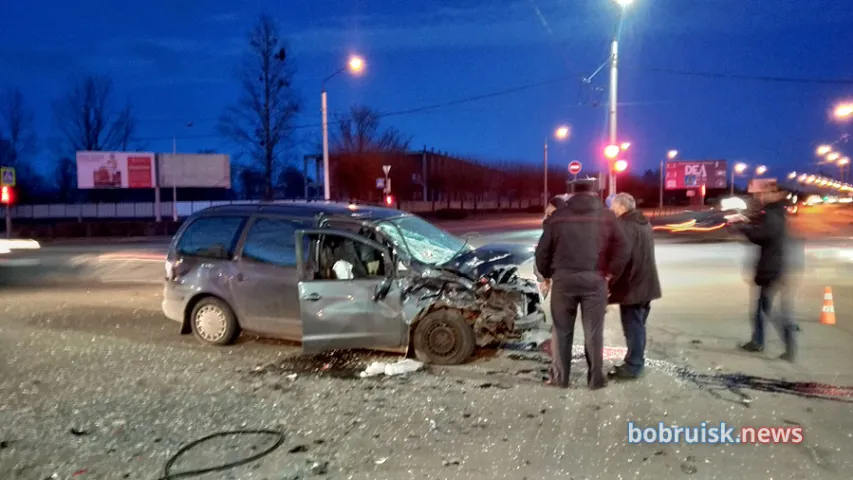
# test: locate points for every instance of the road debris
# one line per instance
(391, 369)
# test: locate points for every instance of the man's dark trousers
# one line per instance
(564, 310)
(634, 325)
(782, 320)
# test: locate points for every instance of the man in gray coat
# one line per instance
(638, 285)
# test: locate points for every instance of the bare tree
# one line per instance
(261, 122)
(17, 129)
(360, 132)
(89, 118)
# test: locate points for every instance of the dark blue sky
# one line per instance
(176, 61)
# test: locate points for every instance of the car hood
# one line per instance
(488, 258)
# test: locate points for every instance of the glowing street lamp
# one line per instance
(823, 150)
(562, 133)
(833, 156)
(843, 111)
(671, 154)
(792, 175)
(760, 170)
(355, 65)
(625, 145)
(624, 3)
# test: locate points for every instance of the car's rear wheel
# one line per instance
(443, 337)
(213, 322)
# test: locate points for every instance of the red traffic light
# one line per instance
(612, 151)
(389, 200)
(6, 195)
(620, 165)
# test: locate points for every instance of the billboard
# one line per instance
(693, 174)
(194, 170)
(115, 170)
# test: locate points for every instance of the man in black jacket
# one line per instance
(769, 231)
(581, 247)
(638, 285)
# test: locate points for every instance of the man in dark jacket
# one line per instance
(769, 231)
(581, 247)
(638, 285)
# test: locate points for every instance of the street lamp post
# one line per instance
(614, 85)
(738, 169)
(843, 166)
(355, 65)
(561, 133)
(670, 155)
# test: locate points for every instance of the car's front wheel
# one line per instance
(443, 337)
(213, 322)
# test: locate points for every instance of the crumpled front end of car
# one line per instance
(499, 305)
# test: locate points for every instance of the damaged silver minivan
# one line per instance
(343, 276)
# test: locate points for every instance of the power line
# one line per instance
(759, 78)
(408, 111)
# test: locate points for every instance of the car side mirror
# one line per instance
(383, 289)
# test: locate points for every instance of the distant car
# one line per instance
(337, 277)
(18, 252)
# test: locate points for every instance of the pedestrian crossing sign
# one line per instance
(7, 176)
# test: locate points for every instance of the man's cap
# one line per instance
(585, 185)
(558, 201)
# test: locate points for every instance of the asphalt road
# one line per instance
(95, 382)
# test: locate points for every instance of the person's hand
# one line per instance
(545, 287)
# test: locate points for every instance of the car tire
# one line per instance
(443, 337)
(213, 322)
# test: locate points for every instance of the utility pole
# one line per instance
(545, 189)
(614, 82)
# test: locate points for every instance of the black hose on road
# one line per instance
(168, 475)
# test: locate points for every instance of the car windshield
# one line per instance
(422, 240)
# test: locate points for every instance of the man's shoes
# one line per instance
(752, 347)
(788, 357)
(623, 373)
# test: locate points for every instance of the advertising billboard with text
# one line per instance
(693, 174)
(195, 170)
(115, 170)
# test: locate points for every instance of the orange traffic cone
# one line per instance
(827, 313)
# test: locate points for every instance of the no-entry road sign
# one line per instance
(575, 167)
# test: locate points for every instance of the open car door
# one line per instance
(359, 311)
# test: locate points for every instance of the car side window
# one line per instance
(271, 241)
(211, 237)
(342, 258)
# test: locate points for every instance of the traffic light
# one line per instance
(389, 200)
(612, 151)
(6, 195)
(620, 166)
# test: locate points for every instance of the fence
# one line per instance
(185, 209)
